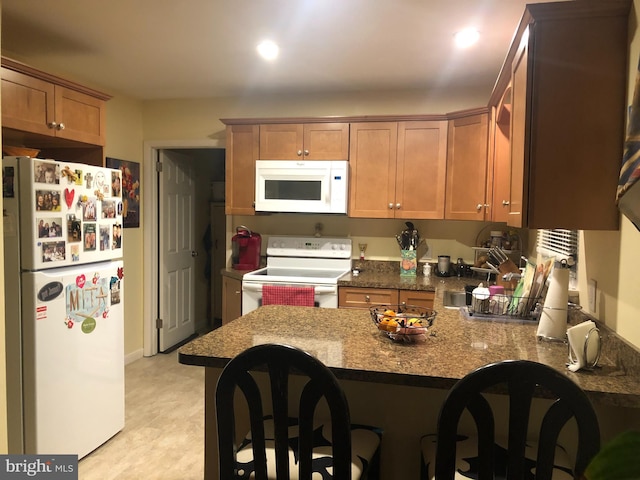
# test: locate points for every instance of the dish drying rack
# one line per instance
(507, 306)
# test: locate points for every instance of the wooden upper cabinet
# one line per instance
(311, 141)
(467, 166)
(39, 106)
(518, 139)
(568, 111)
(499, 165)
(243, 143)
(372, 163)
(79, 117)
(27, 103)
(398, 169)
(421, 170)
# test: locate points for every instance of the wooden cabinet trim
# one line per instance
(346, 119)
(48, 77)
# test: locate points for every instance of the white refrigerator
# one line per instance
(63, 305)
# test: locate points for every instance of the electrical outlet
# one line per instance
(592, 292)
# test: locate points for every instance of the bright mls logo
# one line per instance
(49, 467)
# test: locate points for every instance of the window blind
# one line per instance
(558, 243)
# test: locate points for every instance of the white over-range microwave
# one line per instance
(302, 186)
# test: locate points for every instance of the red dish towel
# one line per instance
(285, 295)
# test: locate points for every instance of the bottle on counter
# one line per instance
(426, 269)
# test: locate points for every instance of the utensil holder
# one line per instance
(408, 263)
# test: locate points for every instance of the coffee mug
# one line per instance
(480, 300)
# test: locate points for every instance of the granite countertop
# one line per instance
(348, 342)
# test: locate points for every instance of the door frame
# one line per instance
(150, 227)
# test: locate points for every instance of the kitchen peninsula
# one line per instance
(401, 386)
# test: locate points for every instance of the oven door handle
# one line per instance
(318, 290)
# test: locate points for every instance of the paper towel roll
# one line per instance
(553, 319)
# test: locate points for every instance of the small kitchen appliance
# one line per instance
(299, 186)
(444, 266)
(245, 249)
(316, 262)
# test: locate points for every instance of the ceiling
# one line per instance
(157, 49)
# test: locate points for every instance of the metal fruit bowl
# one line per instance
(406, 323)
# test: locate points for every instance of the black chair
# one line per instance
(282, 446)
(518, 457)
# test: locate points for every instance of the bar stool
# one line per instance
(449, 454)
(284, 446)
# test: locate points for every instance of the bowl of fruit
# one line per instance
(403, 323)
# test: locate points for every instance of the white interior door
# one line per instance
(177, 249)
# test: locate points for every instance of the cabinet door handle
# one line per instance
(367, 298)
(506, 203)
(479, 207)
(390, 206)
(306, 152)
(52, 125)
(61, 126)
(398, 206)
(299, 152)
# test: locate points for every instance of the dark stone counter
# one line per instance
(348, 342)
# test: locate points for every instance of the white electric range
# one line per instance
(300, 261)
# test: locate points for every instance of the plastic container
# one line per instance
(426, 269)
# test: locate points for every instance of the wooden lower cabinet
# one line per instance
(419, 298)
(363, 297)
(231, 299)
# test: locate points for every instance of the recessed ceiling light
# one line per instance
(467, 37)
(268, 50)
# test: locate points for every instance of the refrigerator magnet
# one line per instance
(70, 175)
(68, 197)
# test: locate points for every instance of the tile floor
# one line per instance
(163, 437)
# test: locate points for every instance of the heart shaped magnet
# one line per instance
(68, 197)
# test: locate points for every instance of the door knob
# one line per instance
(194, 253)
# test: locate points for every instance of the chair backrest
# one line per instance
(521, 378)
(279, 362)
